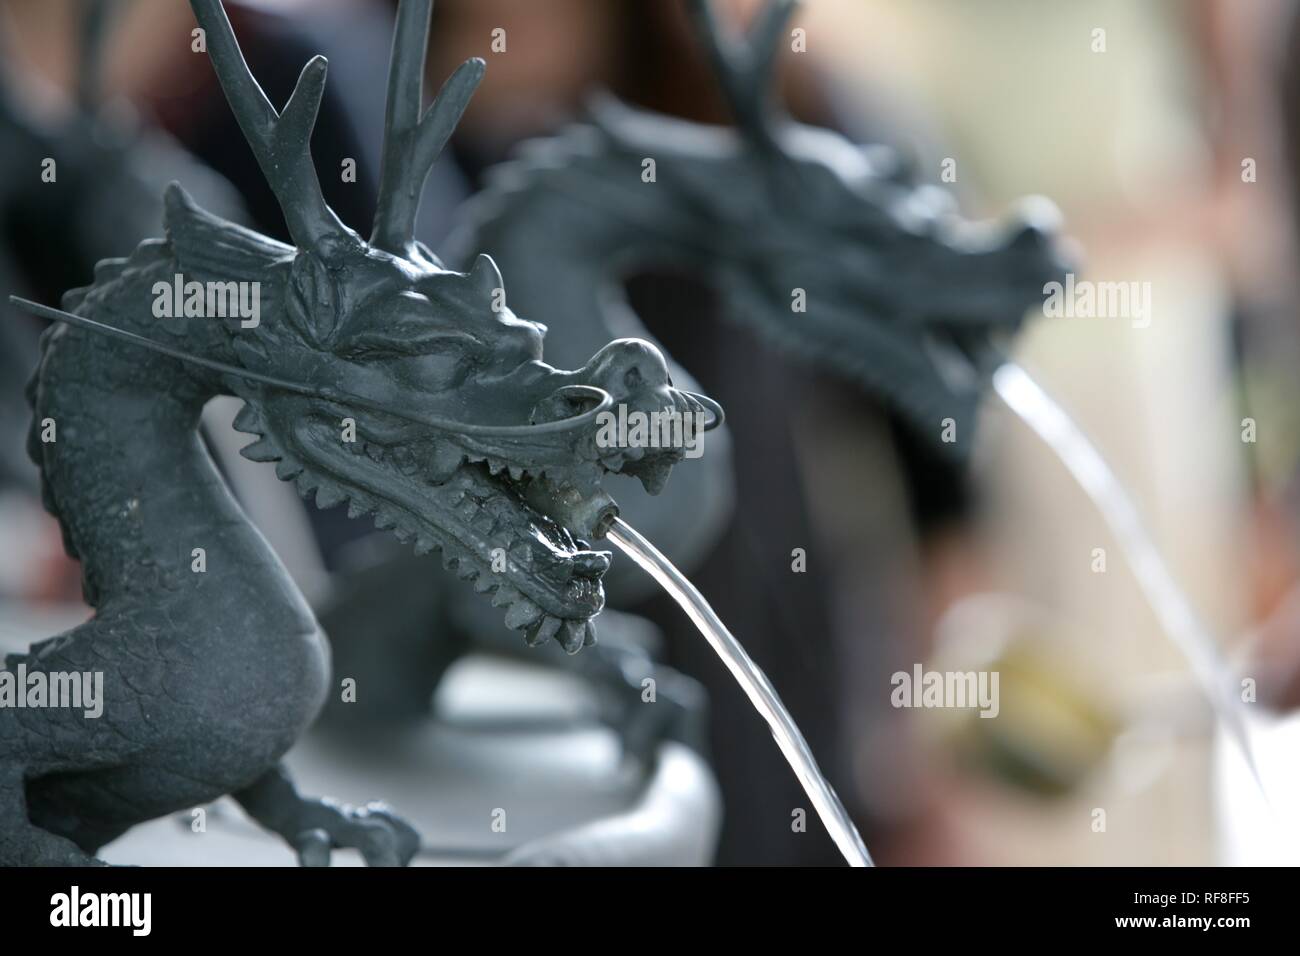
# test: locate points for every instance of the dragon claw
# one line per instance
(382, 837)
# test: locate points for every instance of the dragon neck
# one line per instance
(115, 433)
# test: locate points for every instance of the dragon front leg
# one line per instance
(316, 826)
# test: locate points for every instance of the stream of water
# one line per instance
(1026, 398)
(756, 686)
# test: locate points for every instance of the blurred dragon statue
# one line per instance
(827, 249)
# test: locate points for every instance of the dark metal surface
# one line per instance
(211, 673)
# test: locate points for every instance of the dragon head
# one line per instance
(377, 377)
(829, 248)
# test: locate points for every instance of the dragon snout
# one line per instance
(635, 375)
(642, 426)
(627, 368)
(627, 371)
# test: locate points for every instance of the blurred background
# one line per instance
(1172, 151)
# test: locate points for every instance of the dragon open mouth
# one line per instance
(520, 535)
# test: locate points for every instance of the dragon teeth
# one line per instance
(261, 450)
(444, 461)
(542, 631)
(589, 633)
(248, 420)
(654, 476)
(423, 545)
(328, 497)
(522, 614)
(571, 636)
(286, 469)
(505, 595)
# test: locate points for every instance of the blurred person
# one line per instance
(1256, 116)
(79, 173)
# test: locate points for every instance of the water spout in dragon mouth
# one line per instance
(756, 686)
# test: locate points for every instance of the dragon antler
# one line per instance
(412, 143)
(745, 67)
(280, 141)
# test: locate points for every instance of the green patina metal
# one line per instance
(374, 376)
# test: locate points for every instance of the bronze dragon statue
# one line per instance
(374, 376)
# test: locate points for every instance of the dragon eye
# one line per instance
(401, 325)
